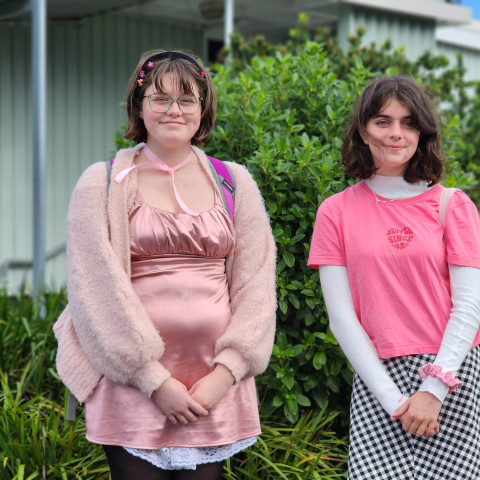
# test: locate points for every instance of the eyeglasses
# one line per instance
(160, 103)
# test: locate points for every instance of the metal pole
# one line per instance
(39, 61)
(228, 29)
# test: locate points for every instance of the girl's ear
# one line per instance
(362, 132)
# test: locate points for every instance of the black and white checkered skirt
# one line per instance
(381, 450)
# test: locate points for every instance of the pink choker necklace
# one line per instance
(161, 165)
(158, 164)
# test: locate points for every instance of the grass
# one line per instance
(36, 442)
(308, 450)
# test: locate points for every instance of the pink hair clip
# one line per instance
(202, 74)
(140, 81)
(142, 73)
(150, 64)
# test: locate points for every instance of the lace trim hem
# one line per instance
(187, 458)
(446, 377)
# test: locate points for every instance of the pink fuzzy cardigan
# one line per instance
(105, 331)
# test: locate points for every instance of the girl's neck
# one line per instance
(391, 187)
(170, 156)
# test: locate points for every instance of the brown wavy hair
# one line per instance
(190, 74)
(427, 162)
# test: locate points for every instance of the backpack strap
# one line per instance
(224, 178)
(108, 165)
(445, 197)
(71, 407)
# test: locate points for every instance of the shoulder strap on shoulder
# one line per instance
(108, 165)
(224, 178)
(445, 197)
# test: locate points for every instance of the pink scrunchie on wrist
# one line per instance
(436, 371)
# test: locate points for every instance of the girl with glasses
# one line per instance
(171, 302)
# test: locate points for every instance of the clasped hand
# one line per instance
(187, 406)
(419, 414)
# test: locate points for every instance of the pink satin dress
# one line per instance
(178, 271)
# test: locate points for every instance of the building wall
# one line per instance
(415, 34)
(470, 57)
(89, 64)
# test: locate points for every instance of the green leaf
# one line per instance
(330, 112)
(302, 400)
(288, 381)
(283, 306)
(294, 300)
(288, 258)
(292, 406)
(319, 360)
(277, 401)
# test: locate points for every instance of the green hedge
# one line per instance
(283, 117)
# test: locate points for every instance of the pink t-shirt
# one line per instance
(397, 262)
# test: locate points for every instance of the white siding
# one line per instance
(415, 34)
(471, 58)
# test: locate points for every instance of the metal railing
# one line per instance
(23, 264)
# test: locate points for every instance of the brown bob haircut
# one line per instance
(427, 162)
(190, 74)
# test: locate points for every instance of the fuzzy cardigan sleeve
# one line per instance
(113, 328)
(246, 345)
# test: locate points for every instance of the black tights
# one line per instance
(124, 466)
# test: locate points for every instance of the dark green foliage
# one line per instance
(28, 342)
(283, 117)
(37, 442)
(467, 144)
(457, 100)
(35, 439)
(308, 450)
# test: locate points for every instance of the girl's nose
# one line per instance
(174, 109)
(396, 130)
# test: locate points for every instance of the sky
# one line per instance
(474, 5)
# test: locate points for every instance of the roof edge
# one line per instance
(431, 9)
(14, 8)
(467, 36)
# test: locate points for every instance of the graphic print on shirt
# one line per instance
(400, 238)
